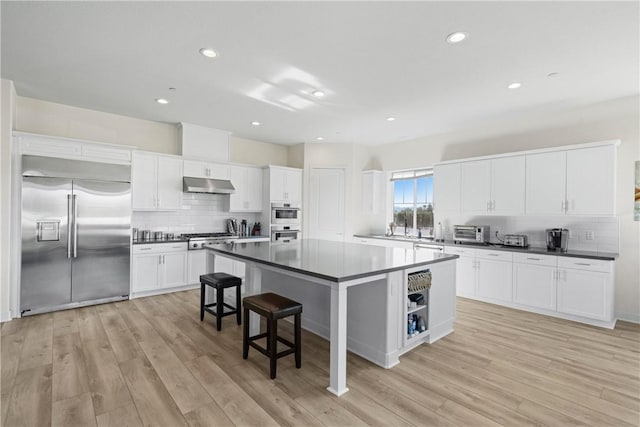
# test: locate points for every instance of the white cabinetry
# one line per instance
(446, 188)
(585, 288)
(248, 184)
(465, 270)
(158, 266)
(199, 169)
(50, 146)
(387, 243)
(493, 186)
(494, 274)
(373, 192)
(534, 281)
(285, 184)
(156, 182)
(574, 182)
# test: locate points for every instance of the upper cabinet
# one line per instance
(572, 182)
(51, 146)
(493, 186)
(285, 184)
(373, 191)
(248, 184)
(156, 182)
(199, 169)
(446, 187)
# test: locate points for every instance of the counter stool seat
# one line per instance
(220, 281)
(272, 307)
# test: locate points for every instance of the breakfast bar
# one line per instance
(378, 279)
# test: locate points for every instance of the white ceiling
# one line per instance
(373, 60)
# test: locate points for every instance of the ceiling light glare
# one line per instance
(390, 119)
(162, 101)
(319, 138)
(514, 85)
(255, 123)
(208, 52)
(456, 37)
(318, 93)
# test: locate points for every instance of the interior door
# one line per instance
(326, 204)
(101, 263)
(45, 279)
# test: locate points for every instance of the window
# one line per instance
(413, 202)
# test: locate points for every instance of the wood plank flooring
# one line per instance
(150, 361)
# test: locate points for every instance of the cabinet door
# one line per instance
(217, 171)
(238, 200)
(144, 184)
(534, 285)
(196, 169)
(545, 183)
(495, 280)
(254, 189)
(174, 269)
(197, 265)
(476, 186)
(591, 181)
(508, 185)
(169, 183)
(446, 188)
(584, 293)
(223, 265)
(277, 178)
(465, 277)
(145, 272)
(293, 190)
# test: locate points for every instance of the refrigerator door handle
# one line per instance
(69, 226)
(75, 227)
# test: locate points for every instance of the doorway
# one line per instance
(326, 204)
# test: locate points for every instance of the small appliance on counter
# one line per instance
(557, 239)
(516, 240)
(158, 235)
(471, 233)
(146, 234)
(134, 233)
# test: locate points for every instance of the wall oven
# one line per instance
(285, 213)
(285, 234)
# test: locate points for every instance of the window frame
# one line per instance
(404, 175)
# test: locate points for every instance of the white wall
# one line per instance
(7, 117)
(616, 119)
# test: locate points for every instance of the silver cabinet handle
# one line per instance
(163, 259)
(534, 259)
(69, 220)
(581, 263)
(75, 225)
(159, 259)
(145, 249)
(493, 254)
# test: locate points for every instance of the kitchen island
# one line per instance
(318, 273)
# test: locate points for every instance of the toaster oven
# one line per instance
(471, 233)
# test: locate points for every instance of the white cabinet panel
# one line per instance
(158, 266)
(197, 265)
(545, 183)
(591, 181)
(476, 186)
(145, 272)
(446, 187)
(507, 185)
(248, 184)
(169, 183)
(174, 269)
(495, 280)
(254, 189)
(106, 154)
(199, 169)
(534, 285)
(294, 185)
(373, 192)
(465, 277)
(585, 293)
(144, 181)
(285, 184)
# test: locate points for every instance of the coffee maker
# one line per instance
(557, 239)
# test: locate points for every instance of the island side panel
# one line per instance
(442, 300)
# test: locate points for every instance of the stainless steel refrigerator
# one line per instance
(76, 219)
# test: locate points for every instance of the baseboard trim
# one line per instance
(628, 317)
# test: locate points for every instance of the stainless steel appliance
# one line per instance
(471, 233)
(76, 235)
(285, 213)
(197, 240)
(429, 246)
(285, 234)
(207, 185)
(557, 239)
(516, 240)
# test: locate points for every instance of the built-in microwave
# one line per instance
(285, 213)
(471, 233)
(285, 234)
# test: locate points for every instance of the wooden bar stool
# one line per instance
(272, 307)
(220, 281)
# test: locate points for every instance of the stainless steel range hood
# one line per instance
(207, 185)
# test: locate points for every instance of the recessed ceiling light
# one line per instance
(319, 138)
(161, 101)
(255, 123)
(390, 119)
(514, 85)
(456, 37)
(318, 93)
(208, 52)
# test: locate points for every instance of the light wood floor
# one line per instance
(151, 361)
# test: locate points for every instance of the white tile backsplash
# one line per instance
(606, 231)
(199, 213)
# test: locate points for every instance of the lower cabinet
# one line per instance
(494, 270)
(159, 266)
(534, 281)
(465, 270)
(586, 291)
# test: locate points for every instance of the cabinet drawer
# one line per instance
(458, 250)
(157, 248)
(584, 264)
(548, 260)
(494, 255)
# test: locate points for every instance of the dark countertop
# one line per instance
(604, 256)
(148, 242)
(332, 261)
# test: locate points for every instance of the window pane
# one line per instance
(402, 213)
(403, 191)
